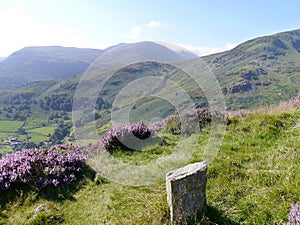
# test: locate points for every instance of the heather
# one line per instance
(117, 135)
(131, 136)
(294, 215)
(41, 167)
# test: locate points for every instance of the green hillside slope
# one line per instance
(253, 180)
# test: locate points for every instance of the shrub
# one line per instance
(292, 102)
(190, 121)
(294, 215)
(186, 123)
(114, 138)
(41, 167)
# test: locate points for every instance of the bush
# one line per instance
(114, 138)
(190, 121)
(186, 123)
(295, 101)
(294, 215)
(41, 167)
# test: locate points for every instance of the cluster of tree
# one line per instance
(59, 115)
(57, 102)
(15, 113)
(62, 131)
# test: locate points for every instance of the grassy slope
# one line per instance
(253, 180)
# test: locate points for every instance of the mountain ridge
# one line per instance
(57, 62)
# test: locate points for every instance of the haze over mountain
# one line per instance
(56, 62)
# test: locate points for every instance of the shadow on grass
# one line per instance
(211, 216)
(24, 194)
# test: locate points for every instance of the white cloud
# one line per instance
(135, 32)
(202, 51)
(138, 31)
(155, 24)
(19, 30)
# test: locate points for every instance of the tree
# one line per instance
(22, 131)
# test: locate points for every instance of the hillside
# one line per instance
(253, 180)
(261, 71)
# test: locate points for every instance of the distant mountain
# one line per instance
(2, 58)
(124, 54)
(179, 50)
(44, 63)
(55, 62)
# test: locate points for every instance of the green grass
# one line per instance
(10, 126)
(4, 148)
(40, 134)
(253, 180)
(42, 130)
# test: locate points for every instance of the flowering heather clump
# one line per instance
(294, 215)
(190, 121)
(292, 102)
(158, 125)
(117, 134)
(41, 167)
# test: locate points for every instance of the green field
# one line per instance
(9, 126)
(42, 130)
(40, 134)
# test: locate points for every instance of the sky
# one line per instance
(202, 26)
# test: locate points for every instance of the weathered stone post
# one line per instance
(186, 191)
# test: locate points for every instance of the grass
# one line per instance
(42, 130)
(40, 134)
(253, 180)
(10, 126)
(4, 148)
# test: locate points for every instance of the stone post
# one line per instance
(186, 191)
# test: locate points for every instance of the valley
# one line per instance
(259, 72)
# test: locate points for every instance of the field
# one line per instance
(9, 129)
(40, 134)
(253, 180)
(9, 126)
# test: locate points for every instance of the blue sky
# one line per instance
(200, 25)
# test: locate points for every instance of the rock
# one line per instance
(186, 191)
(38, 209)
